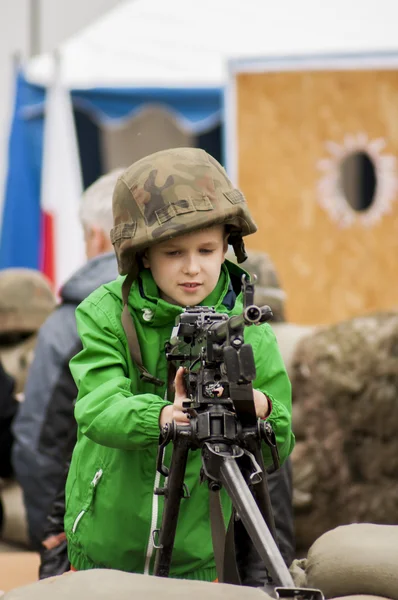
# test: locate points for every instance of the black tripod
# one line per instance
(225, 428)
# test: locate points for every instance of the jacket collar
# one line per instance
(144, 299)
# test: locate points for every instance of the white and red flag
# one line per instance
(62, 242)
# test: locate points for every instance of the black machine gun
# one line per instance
(219, 372)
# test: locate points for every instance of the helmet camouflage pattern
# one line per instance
(26, 300)
(170, 193)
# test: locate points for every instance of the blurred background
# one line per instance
(299, 101)
(94, 87)
(30, 27)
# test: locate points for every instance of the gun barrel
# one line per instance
(251, 315)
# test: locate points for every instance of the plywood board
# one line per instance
(292, 128)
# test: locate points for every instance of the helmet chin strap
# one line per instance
(237, 243)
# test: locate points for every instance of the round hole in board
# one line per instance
(358, 180)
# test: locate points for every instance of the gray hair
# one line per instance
(96, 202)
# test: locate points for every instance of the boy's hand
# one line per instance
(262, 404)
(175, 412)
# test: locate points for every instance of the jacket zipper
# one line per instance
(93, 485)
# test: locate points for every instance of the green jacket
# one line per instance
(111, 509)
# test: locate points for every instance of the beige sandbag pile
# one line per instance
(345, 417)
(353, 561)
(103, 584)
(289, 336)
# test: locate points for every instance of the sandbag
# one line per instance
(106, 584)
(355, 559)
(297, 571)
(345, 417)
(288, 336)
(360, 597)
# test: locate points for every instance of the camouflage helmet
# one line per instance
(170, 193)
(26, 300)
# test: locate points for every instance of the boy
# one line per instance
(175, 213)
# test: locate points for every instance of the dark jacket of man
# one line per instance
(8, 409)
(45, 419)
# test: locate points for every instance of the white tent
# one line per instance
(182, 43)
(173, 54)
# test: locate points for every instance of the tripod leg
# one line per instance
(173, 493)
(261, 493)
(254, 522)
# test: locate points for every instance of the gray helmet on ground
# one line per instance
(26, 300)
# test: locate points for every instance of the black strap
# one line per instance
(231, 571)
(223, 543)
(237, 243)
(131, 334)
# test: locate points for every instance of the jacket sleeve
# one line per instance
(54, 552)
(107, 411)
(273, 381)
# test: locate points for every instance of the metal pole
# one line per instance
(34, 27)
(254, 523)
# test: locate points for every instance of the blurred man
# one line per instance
(45, 422)
(8, 410)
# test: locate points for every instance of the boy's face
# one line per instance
(186, 269)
